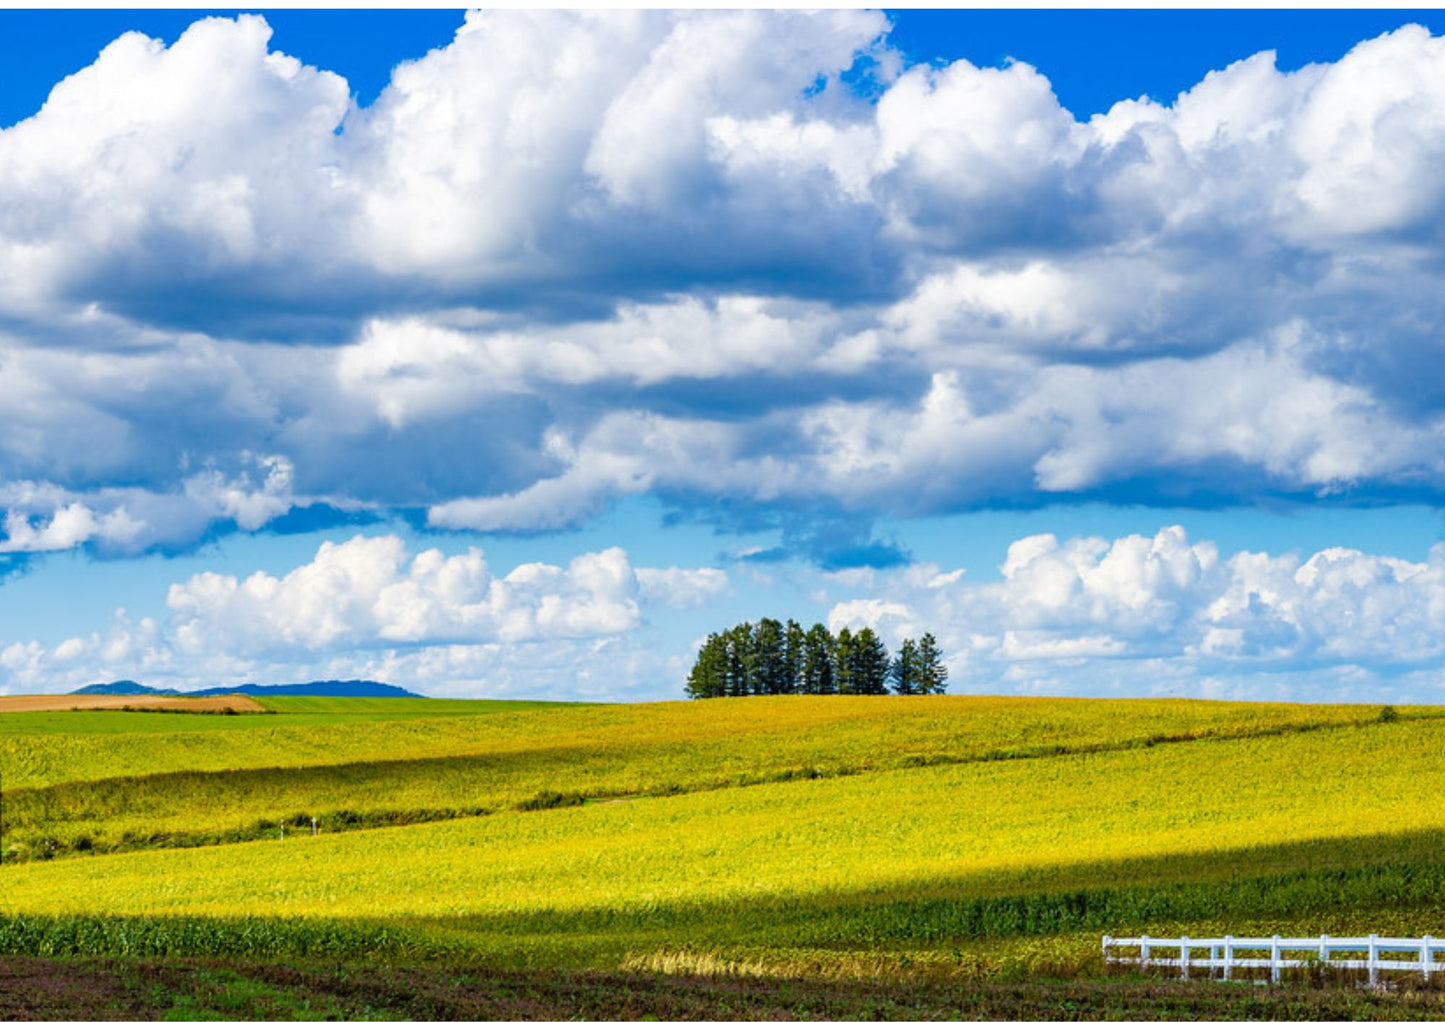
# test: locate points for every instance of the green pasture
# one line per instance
(314, 711)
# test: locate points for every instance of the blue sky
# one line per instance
(1104, 345)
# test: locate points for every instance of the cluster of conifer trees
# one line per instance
(773, 658)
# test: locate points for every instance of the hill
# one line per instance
(125, 687)
(793, 840)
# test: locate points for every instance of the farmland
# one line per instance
(820, 840)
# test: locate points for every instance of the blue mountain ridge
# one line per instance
(333, 687)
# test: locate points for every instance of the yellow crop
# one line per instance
(1219, 832)
(103, 792)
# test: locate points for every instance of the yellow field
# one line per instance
(122, 791)
(1025, 858)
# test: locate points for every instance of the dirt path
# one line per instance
(178, 704)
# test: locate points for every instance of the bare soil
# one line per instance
(172, 704)
(38, 988)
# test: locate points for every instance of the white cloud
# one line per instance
(367, 591)
(43, 517)
(571, 256)
(682, 588)
(441, 624)
(1095, 616)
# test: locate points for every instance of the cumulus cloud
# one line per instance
(367, 591)
(369, 607)
(571, 257)
(1089, 614)
(682, 588)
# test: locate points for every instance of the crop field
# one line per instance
(819, 840)
(178, 787)
(169, 704)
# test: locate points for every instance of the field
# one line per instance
(725, 849)
(169, 704)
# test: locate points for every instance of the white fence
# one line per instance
(1224, 956)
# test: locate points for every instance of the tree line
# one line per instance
(775, 658)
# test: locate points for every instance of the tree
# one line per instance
(770, 666)
(870, 664)
(793, 644)
(818, 662)
(708, 678)
(932, 671)
(740, 659)
(904, 673)
(773, 658)
(843, 662)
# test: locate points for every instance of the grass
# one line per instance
(309, 711)
(807, 846)
(65, 794)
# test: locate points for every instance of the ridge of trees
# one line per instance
(776, 658)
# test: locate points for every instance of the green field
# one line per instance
(789, 839)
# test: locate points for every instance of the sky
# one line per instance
(510, 353)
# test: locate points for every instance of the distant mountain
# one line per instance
(125, 687)
(354, 687)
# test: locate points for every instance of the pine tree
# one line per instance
(905, 669)
(771, 658)
(818, 662)
(932, 671)
(844, 663)
(740, 658)
(708, 678)
(794, 642)
(870, 664)
(769, 662)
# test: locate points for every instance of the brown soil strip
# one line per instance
(198, 988)
(39, 988)
(174, 704)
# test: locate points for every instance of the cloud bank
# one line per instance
(1163, 615)
(747, 262)
(1084, 615)
(369, 607)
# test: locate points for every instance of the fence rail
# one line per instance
(1224, 956)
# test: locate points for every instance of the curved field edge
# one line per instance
(525, 762)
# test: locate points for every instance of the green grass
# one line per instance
(387, 772)
(312, 711)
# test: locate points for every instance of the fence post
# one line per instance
(1108, 942)
(1274, 959)
(1228, 955)
(1184, 958)
(1374, 965)
(1426, 956)
(1213, 958)
(1325, 948)
(1144, 948)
